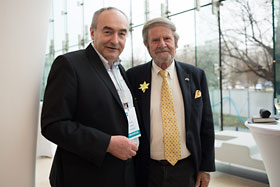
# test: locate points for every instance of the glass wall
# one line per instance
(207, 54)
(247, 55)
(232, 43)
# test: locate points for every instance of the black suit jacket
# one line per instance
(198, 117)
(81, 111)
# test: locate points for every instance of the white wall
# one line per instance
(23, 34)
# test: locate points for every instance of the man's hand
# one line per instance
(203, 179)
(122, 147)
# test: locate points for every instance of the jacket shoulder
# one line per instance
(138, 68)
(73, 58)
(75, 55)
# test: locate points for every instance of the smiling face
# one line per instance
(161, 45)
(110, 34)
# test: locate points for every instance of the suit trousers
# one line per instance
(163, 174)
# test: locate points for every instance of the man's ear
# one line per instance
(92, 33)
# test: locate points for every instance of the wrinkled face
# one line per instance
(161, 45)
(110, 34)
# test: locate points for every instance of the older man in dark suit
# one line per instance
(88, 110)
(177, 143)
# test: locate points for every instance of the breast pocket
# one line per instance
(197, 107)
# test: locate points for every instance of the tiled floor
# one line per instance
(218, 179)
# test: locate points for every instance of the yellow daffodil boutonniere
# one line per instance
(144, 86)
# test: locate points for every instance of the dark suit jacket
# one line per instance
(81, 110)
(198, 117)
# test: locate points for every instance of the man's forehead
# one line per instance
(163, 31)
(112, 14)
(112, 19)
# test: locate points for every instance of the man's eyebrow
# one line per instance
(124, 30)
(107, 28)
(111, 29)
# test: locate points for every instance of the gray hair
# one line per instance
(98, 12)
(160, 21)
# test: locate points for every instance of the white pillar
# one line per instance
(23, 35)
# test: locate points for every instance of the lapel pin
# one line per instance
(144, 86)
(187, 79)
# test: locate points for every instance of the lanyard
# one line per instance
(119, 86)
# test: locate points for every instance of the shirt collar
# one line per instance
(105, 62)
(170, 69)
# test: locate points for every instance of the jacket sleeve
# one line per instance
(58, 119)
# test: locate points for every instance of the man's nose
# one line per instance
(115, 38)
(162, 43)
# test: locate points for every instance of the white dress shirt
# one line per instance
(120, 85)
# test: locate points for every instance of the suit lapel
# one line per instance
(97, 64)
(185, 84)
(122, 70)
(146, 98)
